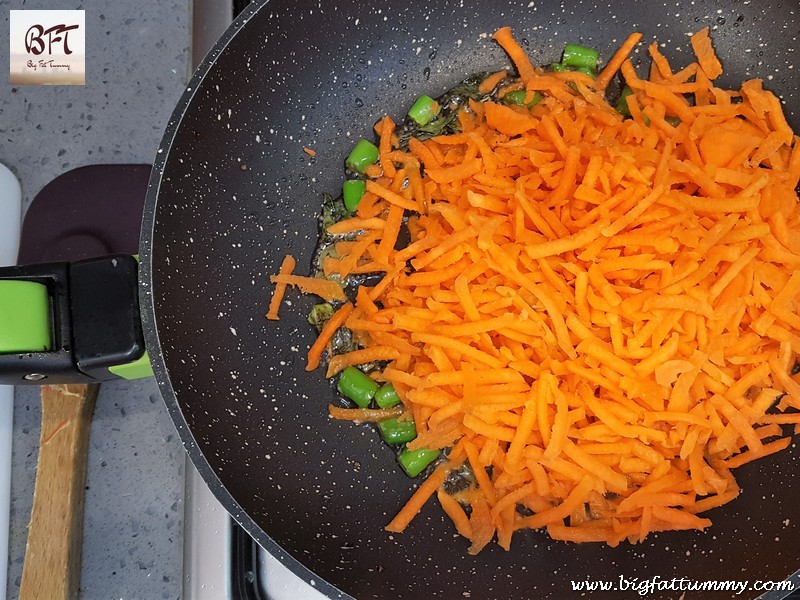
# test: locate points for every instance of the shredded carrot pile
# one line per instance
(598, 315)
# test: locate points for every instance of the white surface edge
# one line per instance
(10, 216)
(206, 541)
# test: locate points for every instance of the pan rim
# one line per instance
(150, 326)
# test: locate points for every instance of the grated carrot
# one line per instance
(488, 84)
(503, 37)
(333, 324)
(385, 129)
(605, 76)
(364, 415)
(456, 513)
(707, 59)
(287, 266)
(417, 501)
(358, 357)
(324, 288)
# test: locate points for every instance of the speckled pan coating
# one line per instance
(232, 192)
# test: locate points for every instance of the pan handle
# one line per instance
(71, 322)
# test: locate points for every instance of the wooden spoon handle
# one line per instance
(52, 565)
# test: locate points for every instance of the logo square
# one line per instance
(47, 47)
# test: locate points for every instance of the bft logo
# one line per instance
(35, 40)
(48, 47)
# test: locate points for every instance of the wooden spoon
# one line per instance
(52, 567)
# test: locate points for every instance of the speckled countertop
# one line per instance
(136, 68)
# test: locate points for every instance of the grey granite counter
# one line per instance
(136, 68)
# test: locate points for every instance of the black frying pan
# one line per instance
(232, 192)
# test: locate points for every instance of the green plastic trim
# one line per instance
(138, 369)
(24, 317)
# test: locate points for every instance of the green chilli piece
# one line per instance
(558, 67)
(363, 155)
(357, 386)
(415, 461)
(319, 314)
(397, 432)
(587, 71)
(386, 396)
(352, 191)
(622, 103)
(24, 317)
(576, 55)
(424, 110)
(517, 97)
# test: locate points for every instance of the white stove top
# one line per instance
(10, 202)
(207, 553)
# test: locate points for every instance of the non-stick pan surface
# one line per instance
(232, 192)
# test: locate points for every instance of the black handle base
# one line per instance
(95, 322)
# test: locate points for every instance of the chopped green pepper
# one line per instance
(319, 314)
(518, 97)
(576, 55)
(386, 396)
(397, 432)
(587, 71)
(357, 386)
(363, 155)
(558, 67)
(622, 103)
(353, 190)
(424, 110)
(674, 121)
(415, 461)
